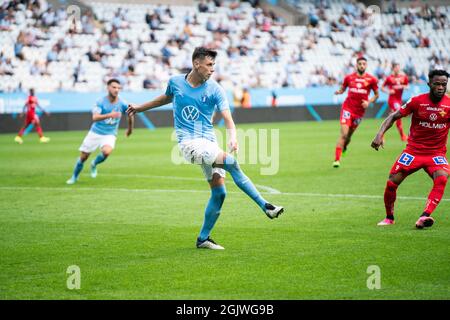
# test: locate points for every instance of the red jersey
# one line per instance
(31, 104)
(396, 83)
(429, 125)
(358, 90)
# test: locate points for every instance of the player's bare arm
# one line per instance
(99, 117)
(385, 126)
(42, 109)
(365, 103)
(24, 111)
(231, 130)
(155, 103)
(130, 125)
(387, 90)
(341, 90)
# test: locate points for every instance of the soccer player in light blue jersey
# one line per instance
(195, 97)
(106, 117)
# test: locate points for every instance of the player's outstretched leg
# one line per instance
(78, 168)
(18, 138)
(106, 151)
(212, 212)
(42, 138)
(435, 196)
(341, 145)
(390, 195)
(231, 165)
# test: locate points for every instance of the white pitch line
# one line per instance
(299, 194)
(268, 189)
(143, 176)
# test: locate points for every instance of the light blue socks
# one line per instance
(212, 211)
(243, 182)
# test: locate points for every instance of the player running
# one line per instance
(106, 117)
(195, 97)
(354, 107)
(426, 148)
(29, 109)
(394, 86)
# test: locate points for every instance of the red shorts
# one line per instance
(31, 118)
(394, 105)
(409, 163)
(350, 119)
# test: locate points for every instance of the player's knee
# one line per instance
(106, 153)
(391, 185)
(84, 157)
(345, 136)
(231, 163)
(441, 180)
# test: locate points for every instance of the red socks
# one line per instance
(436, 194)
(390, 194)
(338, 154)
(39, 131)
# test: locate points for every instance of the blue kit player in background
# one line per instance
(195, 97)
(106, 117)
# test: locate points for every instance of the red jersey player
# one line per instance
(359, 85)
(394, 86)
(31, 118)
(426, 147)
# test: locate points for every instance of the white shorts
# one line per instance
(92, 141)
(204, 153)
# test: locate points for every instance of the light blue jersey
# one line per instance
(193, 108)
(110, 125)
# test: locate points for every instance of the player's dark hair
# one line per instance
(361, 58)
(437, 72)
(202, 52)
(112, 81)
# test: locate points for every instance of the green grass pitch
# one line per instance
(132, 230)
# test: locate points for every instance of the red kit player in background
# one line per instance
(354, 107)
(426, 148)
(31, 118)
(394, 86)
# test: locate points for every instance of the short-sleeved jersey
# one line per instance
(396, 83)
(358, 90)
(193, 108)
(429, 125)
(109, 125)
(31, 104)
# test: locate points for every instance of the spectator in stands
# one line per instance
(88, 23)
(52, 55)
(19, 44)
(6, 67)
(202, 6)
(246, 99)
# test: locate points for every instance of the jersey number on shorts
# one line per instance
(440, 160)
(406, 159)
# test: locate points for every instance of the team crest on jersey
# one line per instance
(440, 160)
(405, 159)
(442, 113)
(433, 117)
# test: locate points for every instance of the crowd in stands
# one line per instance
(144, 44)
